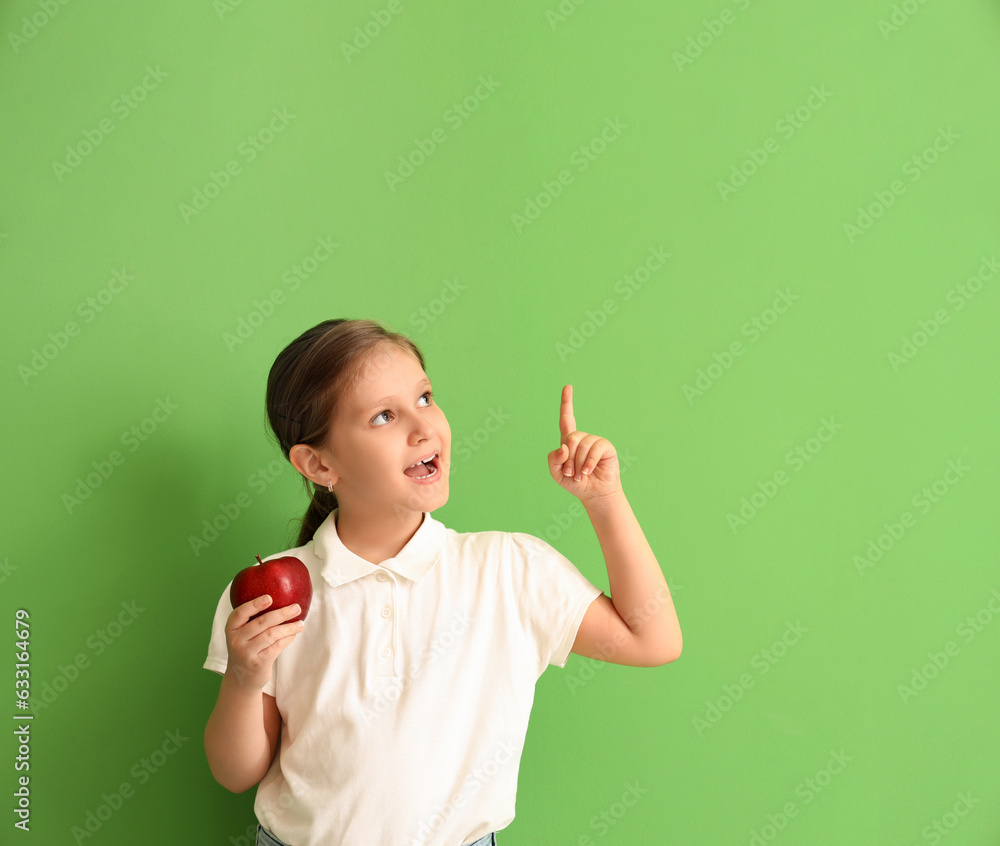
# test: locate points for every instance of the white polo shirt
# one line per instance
(405, 699)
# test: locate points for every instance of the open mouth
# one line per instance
(429, 468)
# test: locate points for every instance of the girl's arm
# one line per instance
(637, 625)
(243, 730)
(241, 736)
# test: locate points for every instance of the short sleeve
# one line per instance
(218, 651)
(552, 596)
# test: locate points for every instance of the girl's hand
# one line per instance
(254, 644)
(585, 465)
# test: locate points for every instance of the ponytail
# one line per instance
(321, 506)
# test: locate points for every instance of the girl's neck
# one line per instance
(376, 537)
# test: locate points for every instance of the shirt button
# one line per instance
(381, 576)
(386, 652)
(387, 612)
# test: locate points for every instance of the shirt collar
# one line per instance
(413, 561)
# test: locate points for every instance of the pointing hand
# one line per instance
(585, 465)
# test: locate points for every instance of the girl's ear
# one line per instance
(310, 464)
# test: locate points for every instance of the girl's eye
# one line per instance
(428, 394)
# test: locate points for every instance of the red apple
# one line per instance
(285, 580)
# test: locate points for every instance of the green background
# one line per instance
(804, 643)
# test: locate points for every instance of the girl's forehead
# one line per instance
(384, 378)
(391, 367)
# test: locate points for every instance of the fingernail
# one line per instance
(569, 470)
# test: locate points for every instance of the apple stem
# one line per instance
(258, 559)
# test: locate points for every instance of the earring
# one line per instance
(330, 485)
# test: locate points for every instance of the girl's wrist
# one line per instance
(240, 682)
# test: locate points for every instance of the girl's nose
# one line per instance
(423, 432)
(422, 428)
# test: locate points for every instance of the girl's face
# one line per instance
(389, 423)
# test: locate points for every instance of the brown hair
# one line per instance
(306, 383)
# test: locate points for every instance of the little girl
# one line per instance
(396, 712)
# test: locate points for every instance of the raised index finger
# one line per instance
(567, 423)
